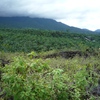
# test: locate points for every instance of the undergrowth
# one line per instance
(50, 79)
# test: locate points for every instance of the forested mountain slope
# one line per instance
(38, 23)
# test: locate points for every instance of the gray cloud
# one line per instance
(79, 13)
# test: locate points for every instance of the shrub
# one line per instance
(33, 80)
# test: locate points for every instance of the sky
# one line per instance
(78, 13)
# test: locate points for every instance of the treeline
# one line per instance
(27, 40)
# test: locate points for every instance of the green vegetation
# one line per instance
(33, 65)
(14, 40)
(38, 23)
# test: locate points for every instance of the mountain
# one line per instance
(98, 30)
(40, 23)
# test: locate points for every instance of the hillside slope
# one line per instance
(39, 23)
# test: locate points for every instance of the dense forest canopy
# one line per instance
(27, 40)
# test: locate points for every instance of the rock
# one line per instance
(96, 91)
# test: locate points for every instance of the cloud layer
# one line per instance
(79, 13)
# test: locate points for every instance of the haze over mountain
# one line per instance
(38, 23)
(98, 30)
(78, 13)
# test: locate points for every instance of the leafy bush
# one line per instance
(34, 79)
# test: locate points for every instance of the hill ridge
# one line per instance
(39, 23)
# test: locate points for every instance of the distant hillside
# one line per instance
(98, 30)
(39, 23)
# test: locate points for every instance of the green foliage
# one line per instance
(32, 54)
(27, 40)
(32, 81)
(40, 80)
(27, 78)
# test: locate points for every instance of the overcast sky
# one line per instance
(78, 13)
